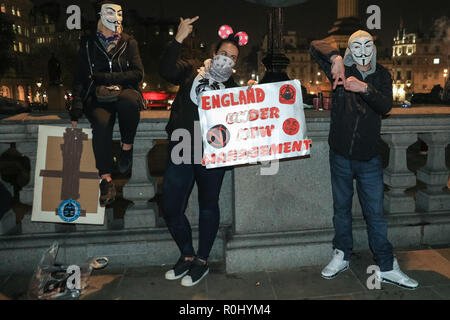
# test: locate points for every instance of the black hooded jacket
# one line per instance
(355, 117)
(121, 66)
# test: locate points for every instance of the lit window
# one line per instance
(18, 12)
(3, 8)
(20, 47)
(15, 46)
(19, 29)
(13, 11)
(14, 28)
(436, 61)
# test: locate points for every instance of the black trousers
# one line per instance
(102, 117)
(5, 200)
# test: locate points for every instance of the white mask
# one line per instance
(362, 48)
(111, 16)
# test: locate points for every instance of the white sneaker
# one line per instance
(336, 266)
(397, 277)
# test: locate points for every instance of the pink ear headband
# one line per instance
(226, 32)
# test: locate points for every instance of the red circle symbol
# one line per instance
(291, 126)
(218, 136)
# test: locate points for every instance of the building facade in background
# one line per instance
(420, 61)
(16, 83)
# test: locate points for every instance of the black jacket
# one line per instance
(181, 73)
(121, 66)
(355, 117)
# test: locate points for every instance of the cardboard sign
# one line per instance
(241, 126)
(66, 185)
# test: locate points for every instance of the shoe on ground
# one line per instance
(125, 161)
(336, 266)
(180, 269)
(397, 277)
(196, 273)
(107, 192)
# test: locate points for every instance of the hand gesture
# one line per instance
(354, 85)
(338, 71)
(185, 28)
(251, 83)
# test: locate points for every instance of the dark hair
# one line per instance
(231, 39)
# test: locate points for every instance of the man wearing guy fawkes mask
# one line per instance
(106, 84)
(362, 94)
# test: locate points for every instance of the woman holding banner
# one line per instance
(181, 174)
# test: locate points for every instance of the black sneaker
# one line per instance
(107, 193)
(125, 161)
(197, 272)
(179, 269)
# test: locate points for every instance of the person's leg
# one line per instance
(177, 186)
(209, 182)
(128, 113)
(369, 177)
(102, 119)
(342, 188)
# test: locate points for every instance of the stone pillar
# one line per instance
(397, 176)
(434, 174)
(28, 149)
(140, 188)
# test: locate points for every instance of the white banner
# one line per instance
(241, 126)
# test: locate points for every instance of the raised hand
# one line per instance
(185, 28)
(338, 71)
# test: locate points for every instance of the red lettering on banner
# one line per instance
(264, 151)
(232, 155)
(274, 112)
(221, 158)
(233, 103)
(242, 154)
(242, 99)
(253, 115)
(225, 103)
(260, 95)
(216, 101)
(287, 147)
(254, 132)
(209, 159)
(205, 103)
(264, 113)
(297, 146)
(307, 144)
(267, 131)
(251, 96)
(275, 149)
(253, 152)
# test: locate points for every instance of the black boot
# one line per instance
(107, 193)
(125, 160)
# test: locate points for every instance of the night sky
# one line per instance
(312, 19)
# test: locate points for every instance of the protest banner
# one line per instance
(241, 126)
(66, 187)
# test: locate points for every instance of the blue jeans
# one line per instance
(177, 186)
(369, 179)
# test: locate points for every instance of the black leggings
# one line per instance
(102, 117)
(177, 186)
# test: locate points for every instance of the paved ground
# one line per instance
(430, 266)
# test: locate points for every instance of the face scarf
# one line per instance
(211, 76)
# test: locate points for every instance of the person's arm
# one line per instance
(170, 68)
(134, 74)
(378, 98)
(325, 55)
